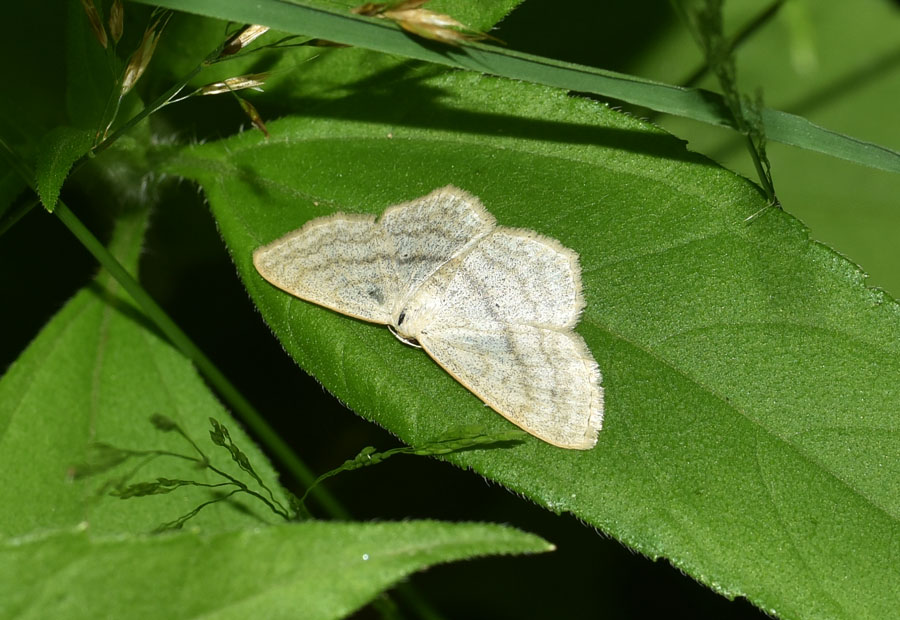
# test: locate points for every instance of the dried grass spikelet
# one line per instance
(116, 20)
(242, 39)
(141, 57)
(409, 15)
(240, 82)
(253, 115)
(90, 9)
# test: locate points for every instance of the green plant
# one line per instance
(750, 374)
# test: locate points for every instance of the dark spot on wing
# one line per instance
(376, 294)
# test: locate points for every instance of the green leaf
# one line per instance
(809, 63)
(59, 150)
(83, 401)
(311, 570)
(313, 20)
(751, 432)
(97, 373)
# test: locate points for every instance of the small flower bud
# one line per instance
(141, 57)
(422, 17)
(240, 82)
(254, 116)
(93, 16)
(116, 20)
(242, 39)
(409, 15)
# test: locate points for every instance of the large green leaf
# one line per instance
(97, 373)
(751, 427)
(303, 570)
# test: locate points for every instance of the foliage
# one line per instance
(751, 427)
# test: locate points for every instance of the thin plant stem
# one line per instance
(750, 28)
(242, 407)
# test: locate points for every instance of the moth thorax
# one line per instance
(411, 318)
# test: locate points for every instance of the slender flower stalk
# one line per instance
(137, 64)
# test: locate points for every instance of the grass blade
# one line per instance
(696, 104)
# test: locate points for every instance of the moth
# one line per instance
(493, 306)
